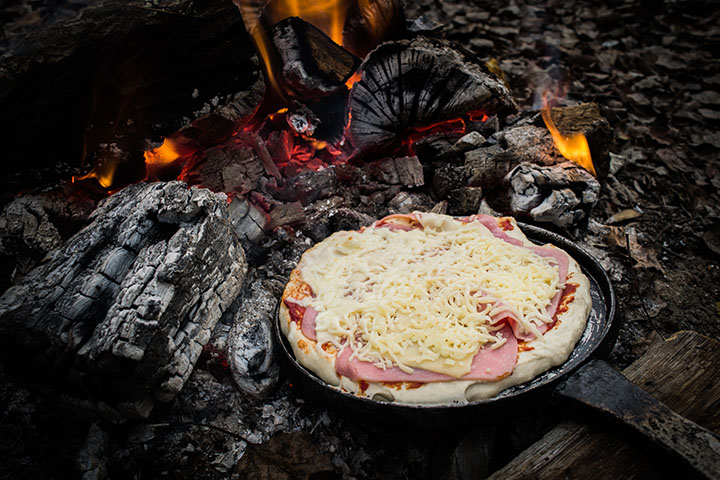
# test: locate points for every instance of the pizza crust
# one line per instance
(550, 350)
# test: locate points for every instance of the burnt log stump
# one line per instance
(118, 315)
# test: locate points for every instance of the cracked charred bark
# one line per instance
(120, 313)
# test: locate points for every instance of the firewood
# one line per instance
(311, 64)
(121, 311)
(232, 166)
(416, 83)
(561, 194)
(407, 171)
(251, 351)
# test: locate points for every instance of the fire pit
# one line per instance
(144, 308)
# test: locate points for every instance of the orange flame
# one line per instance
(104, 173)
(327, 15)
(573, 147)
(352, 80)
(162, 155)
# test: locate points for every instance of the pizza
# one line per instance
(432, 309)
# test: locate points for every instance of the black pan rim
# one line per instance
(590, 266)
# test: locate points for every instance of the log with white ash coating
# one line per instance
(120, 313)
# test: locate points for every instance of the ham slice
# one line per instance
(488, 365)
(308, 323)
(303, 316)
(400, 221)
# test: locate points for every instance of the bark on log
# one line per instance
(370, 23)
(417, 83)
(120, 313)
(561, 194)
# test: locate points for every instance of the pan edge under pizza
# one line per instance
(432, 309)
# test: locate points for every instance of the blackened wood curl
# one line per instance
(415, 83)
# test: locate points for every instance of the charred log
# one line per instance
(308, 186)
(587, 119)
(251, 351)
(311, 64)
(417, 83)
(407, 171)
(562, 194)
(119, 314)
(232, 166)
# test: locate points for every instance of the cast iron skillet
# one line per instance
(583, 378)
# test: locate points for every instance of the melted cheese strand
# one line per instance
(406, 297)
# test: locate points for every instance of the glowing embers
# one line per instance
(574, 147)
(292, 150)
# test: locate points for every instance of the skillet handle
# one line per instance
(599, 386)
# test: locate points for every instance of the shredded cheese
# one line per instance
(424, 298)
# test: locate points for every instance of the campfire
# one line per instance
(144, 277)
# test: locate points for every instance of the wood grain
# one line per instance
(681, 372)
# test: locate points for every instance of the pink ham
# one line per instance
(488, 365)
(400, 221)
(307, 325)
(303, 316)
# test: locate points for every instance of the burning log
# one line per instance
(120, 313)
(311, 64)
(417, 83)
(494, 164)
(562, 194)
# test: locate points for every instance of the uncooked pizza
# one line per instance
(433, 309)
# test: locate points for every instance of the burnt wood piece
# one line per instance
(231, 167)
(681, 372)
(26, 235)
(119, 314)
(407, 171)
(119, 73)
(415, 83)
(251, 352)
(308, 186)
(216, 123)
(561, 194)
(253, 139)
(286, 214)
(311, 65)
(248, 220)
